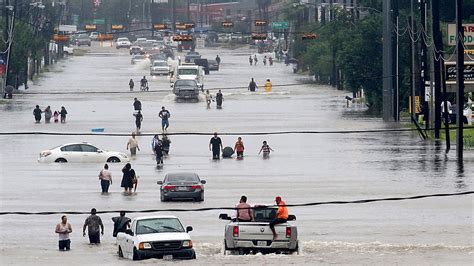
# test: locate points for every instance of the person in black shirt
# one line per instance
(138, 120)
(218, 60)
(219, 99)
(37, 113)
(137, 105)
(131, 84)
(252, 85)
(159, 152)
(121, 224)
(144, 84)
(215, 145)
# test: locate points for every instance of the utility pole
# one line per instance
(388, 110)
(173, 16)
(459, 80)
(424, 66)
(413, 66)
(437, 67)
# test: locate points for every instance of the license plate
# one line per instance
(261, 243)
(182, 189)
(167, 257)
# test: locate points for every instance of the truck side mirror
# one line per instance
(224, 216)
(159, 182)
(291, 217)
(129, 232)
(203, 181)
(189, 229)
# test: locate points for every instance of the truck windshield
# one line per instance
(264, 214)
(187, 72)
(159, 225)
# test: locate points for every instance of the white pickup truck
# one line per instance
(160, 236)
(256, 236)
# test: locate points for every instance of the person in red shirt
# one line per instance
(239, 148)
(281, 215)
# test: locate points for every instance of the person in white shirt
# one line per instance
(133, 144)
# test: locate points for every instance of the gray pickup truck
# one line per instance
(256, 236)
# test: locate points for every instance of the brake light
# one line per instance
(236, 231)
(169, 187)
(288, 232)
(196, 187)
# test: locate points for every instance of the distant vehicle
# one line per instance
(186, 45)
(122, 43)
(158, 57)
(168, 51)
(83, 39)
(80, 152)
(252, 237)
(147, 46)
(159, 236)
(141, 40)
(159, 68)
(190, 56)
(186, 89)
(213, 65)
(136, 58)
(204, 63)
(68, 50)
(189, 71)
(94, 36)
(182, 185)
(136, 50)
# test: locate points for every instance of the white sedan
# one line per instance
(160, 236)
(79, 153)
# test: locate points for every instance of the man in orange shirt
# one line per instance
(281, 215)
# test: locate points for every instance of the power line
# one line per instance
(307, 132)
(339, 202)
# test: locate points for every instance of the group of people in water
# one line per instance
(94, 226)
(48, 114)
(254, 60)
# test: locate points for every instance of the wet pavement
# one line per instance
(303, 168)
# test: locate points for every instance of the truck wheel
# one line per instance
(120, 253)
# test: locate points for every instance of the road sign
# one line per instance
(280, 25)
(99, 21)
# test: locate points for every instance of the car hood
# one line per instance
(187, 76)
(163, 237)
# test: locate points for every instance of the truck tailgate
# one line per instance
(261, 231)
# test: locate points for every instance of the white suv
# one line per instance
(122, 43)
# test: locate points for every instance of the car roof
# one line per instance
(154, 217)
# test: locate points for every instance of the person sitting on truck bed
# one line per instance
(244, 211)
(281, 216)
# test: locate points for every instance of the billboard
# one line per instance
(468, 34)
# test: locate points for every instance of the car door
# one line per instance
(129, 245)
(90, 153)
(72, 153)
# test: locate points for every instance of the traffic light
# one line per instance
(227, 24)
(91, 27)
(189, 25)
(160, 26)
(309, 36)
(117, 27)
(260, 23)
(259, 36)
(183, 38)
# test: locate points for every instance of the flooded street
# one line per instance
(303, 168)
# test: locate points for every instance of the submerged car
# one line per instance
(83, 39)
(159, 68)
(160, 236)
(182, 186)
(213, 65)
(79, 153)
(137, 58)
(122, 43)
(186, 89)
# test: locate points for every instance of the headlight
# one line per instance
(187, 244)
(144, 245)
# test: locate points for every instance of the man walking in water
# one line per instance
(144, 84)
(121, 224)
(252, 85)
(215, 145)
(219, 99)
(164, 115)
(93, 223)
(137, 105)
(63, 229)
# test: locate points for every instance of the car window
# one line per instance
(159, 225)
(185, 178)
(88, 148)
(264, 214)
(188, 72)
(72, 147)
(183, 82)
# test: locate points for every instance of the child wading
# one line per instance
(265, 149)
